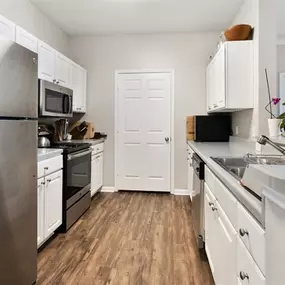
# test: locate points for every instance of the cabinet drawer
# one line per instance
(247, 270)
(210, 179)
(227, 201)
(97, 148)
(252, 235)
(49, 166)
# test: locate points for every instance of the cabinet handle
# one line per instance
(43, 183)
(243, 275)
(46, 168)
(49, 180)
(214, 209)
(57, 82)
(243, 232)
(211, 204)
(54, 81)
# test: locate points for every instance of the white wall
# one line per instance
(187, 54)
(261, 15)
(280, 58)
(26, 15)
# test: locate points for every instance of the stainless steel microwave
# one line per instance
(54, 100)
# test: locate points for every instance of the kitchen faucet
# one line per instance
(263, 140)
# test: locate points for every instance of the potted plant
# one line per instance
(276, 123)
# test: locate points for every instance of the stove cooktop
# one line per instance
(69, 147)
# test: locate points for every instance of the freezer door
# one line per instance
(18, 81)
(18, 202)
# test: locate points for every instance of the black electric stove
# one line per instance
(76, 181)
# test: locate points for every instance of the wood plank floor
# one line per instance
(127, 238)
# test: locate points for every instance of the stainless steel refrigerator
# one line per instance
(18, 164)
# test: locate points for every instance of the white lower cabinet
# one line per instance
(234, 241)
(41, 207)
(53, 203)
(49, 205)
(220, 241)
(247, 270)
(97, 169)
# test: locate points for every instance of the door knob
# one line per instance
(167, 139)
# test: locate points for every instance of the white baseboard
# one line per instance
(181, 192)
(108, 189)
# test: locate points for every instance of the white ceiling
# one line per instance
(97, 17)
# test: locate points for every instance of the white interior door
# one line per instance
(143, 131)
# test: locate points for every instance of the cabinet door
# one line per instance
(226, 245)
(75, 85)
(26, 39)
(46, 68)
(210, 86)
(62, 70)
(53, 202)
(100, 170)
(93, 175)
(247, 270)
(40, 216)
(220, 79)
(211, 237)
(7, 29)
(83, 90)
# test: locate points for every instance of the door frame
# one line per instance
(172, 146)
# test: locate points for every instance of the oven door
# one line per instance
(54, 101)
(78, 176)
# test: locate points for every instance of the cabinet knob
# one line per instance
(49, 180)
(243, 275)
(46, 168)
(57, 81)
(243, 232)
(43, 183)
(211, 204)
(54, 81)
(214, 209)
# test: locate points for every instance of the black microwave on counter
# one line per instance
(212, 128)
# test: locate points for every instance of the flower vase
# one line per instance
(274, 127)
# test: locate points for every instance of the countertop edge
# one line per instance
(253, 205)
(49, 153)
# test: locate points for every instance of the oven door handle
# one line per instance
(73, 156)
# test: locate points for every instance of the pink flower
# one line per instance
(275, 101)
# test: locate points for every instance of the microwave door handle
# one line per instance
(65, 104)
(70, 105)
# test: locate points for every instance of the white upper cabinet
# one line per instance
(46, 67)
(230, 78)
(78, 83)
(53, 66)
(26, 39)
(7, 29)
(62, 70)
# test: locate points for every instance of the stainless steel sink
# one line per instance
(237, 165)
(234, 165)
